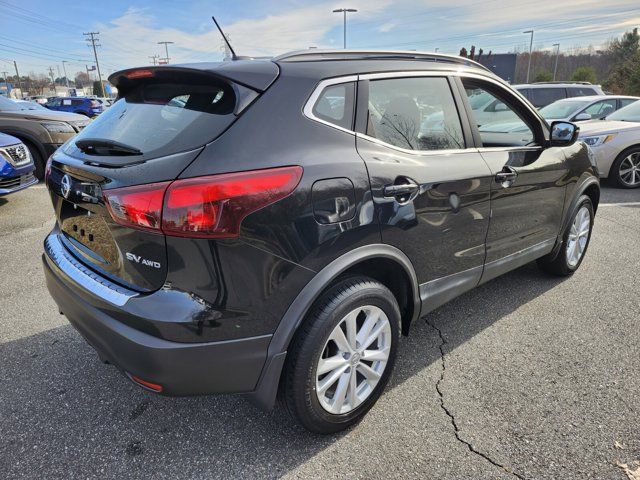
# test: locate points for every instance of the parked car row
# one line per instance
(89, 107)
(610, 124)
(40, 129)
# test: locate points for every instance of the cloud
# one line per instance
(293, 29)
(387, 27)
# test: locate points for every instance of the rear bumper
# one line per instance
(232, 366)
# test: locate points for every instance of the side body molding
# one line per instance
(265, 393)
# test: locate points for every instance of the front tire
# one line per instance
(38, 160)
(342, 355)
(625, 171)
(575, 241)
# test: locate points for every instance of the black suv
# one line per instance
(265, 226)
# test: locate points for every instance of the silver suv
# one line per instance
(544, 93)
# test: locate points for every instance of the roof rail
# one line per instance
(562, 82)
(317, 55)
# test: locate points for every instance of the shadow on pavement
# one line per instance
(66, 414)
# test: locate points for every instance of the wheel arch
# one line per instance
(27, 137)
(589, 187)
(384, 263)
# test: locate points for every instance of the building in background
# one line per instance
(502, 64)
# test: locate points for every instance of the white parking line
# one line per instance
(625, 204)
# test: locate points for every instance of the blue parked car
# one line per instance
(16, 165)
(82, 105)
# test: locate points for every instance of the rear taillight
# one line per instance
(202, 207)
(137, 207)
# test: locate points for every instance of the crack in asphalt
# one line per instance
(456, 430)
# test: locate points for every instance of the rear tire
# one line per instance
(575, 240)
(625, 171)
(333, 376)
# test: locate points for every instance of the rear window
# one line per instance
(160, 119)
(541, 97)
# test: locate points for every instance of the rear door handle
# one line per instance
(506, 177)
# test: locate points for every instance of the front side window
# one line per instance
(335, 105)
(503, 126)
(601, 109)
(414, 113)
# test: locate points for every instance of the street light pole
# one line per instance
(166, 49)
(555, 68)
(344, 12)
(530, 52)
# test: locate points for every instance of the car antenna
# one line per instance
(226, 40)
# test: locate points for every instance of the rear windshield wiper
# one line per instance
(100, 146)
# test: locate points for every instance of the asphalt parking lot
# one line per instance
(526, 377)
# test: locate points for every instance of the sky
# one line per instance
(40, 34)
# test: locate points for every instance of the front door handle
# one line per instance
(506, 177)
(400, 191)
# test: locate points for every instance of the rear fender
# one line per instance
(265, 393)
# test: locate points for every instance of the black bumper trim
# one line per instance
(231, 366)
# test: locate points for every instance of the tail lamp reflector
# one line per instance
(204, 207)
(151, 386)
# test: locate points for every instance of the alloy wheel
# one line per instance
(353, 359)
(629, 170)
(578, 236)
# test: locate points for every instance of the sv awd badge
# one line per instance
(143, 261)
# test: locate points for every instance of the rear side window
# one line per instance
(627, 101)
(335, 105)
(580, 91)
(542, 97)
(414, 113)
(160, 119)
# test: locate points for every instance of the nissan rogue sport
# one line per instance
(272, 226)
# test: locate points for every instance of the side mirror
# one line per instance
(582, 116)
(500, 107)
(563, 134)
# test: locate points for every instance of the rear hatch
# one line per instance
(161, 122)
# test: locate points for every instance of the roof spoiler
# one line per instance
(256, 75)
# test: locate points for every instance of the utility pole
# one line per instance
(18, 76)
(344, 12)
(530, 52)
(53, 83)
(92, 37)
(166, 50)
(64, 67)
(555, 68)
(4, 74)
(154, 59)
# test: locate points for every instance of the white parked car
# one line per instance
(615, 143)
(578, 109)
